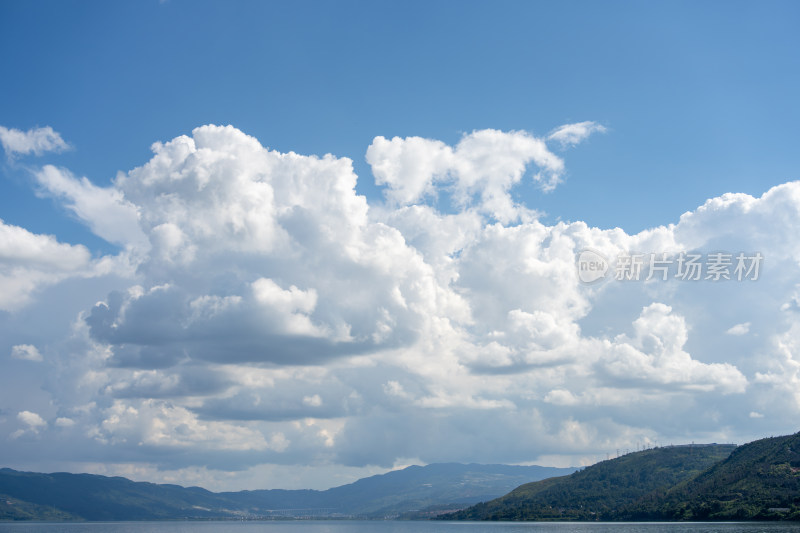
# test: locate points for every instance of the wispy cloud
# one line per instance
(27, 352)
(572, 134)
(104, 210)
(739, 329)
(37, 141)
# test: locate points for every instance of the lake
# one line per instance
(348, 526)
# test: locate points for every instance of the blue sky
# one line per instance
(698, 96)
(684, 101)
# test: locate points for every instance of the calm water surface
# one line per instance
(346, 526)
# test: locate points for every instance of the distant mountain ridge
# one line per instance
(63, 496)
(756, 481)
(412, 488)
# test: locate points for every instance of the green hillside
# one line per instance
(600, 491)
(758, 481)
(15, 509)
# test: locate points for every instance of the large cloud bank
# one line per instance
(261, 314)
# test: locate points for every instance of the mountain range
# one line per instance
(410, 491)
(756, 481)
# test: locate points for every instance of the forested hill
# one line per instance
(598, 492)
(756, 481)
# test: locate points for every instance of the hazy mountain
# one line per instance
(91, 497)
(412, 488)
(62, 496)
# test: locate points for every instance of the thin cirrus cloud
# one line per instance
(739, 329)
(269, 314)
(572, 134)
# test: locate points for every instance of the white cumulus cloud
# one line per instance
(35, 141)
(656, 354)
(270, 314)
(104, 210)
(480, 170)
(33, 422)
(29, 261)
(27, 352)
